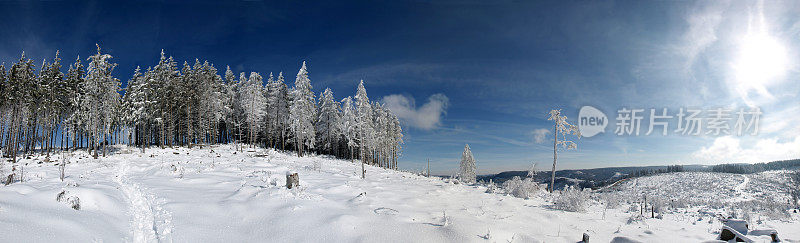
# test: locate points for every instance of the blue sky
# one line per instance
(474, 72)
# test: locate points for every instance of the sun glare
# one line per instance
(760, 61)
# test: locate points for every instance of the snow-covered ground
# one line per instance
(183, 195)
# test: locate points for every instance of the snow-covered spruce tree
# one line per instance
(467, 170)
(74, 82)
(561, 127)
(3, 104)
(379, 134)
(53, 103)
(363, 123)
(20, 78)
(302, 112)
(397, 139)
(134, 104)
(232, 118)
(328, 115)
(102, 98)
(165, 78)
(388, 136)
(253, 104)
(212, 101)
(239, 112)
(266, 121)
(278, 107)
(348, 125)
(190, 90)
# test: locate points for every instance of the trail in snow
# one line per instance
(150, 223)
(742, 194)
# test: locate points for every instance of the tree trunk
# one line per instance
(555, 156)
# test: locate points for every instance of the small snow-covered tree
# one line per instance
(467, 170)
(520, 188)
(532, 171)
(302, 112)
(571, 199)
(563, 128)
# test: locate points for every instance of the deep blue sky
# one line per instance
(473, 72)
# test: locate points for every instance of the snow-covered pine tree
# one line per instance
(165, 77)
(382, 143)
(267, 127)
(348, 125)
(133, 104)
(278, 105)
(74, 82)
(101, 98)
(212, 101)
(364, 123)
(3, 104)
(53, 102)
(327, 117)
(397, 139)
(20, 78)
(363, 119)
(563, 128)
(466, 169)
(302, 112)
(61, 98)
(231, 120)
(253, 103)
(188, 104)
(239, 111)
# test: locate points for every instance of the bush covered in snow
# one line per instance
(491, 187)
(521, 188)
(571, 199)
(66, 197)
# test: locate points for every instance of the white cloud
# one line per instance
(539, 135)
(729, 149)
(427, 116)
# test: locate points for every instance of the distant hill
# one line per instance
(584, 177)
(599, 177)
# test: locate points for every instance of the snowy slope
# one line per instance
(197, 195)
(708, 188)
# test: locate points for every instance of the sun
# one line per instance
(760, 61)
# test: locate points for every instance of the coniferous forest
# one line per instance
(45, 110)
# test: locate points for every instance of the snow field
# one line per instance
(196, 195)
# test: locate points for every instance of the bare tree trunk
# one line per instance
(189, 135)
(361, 155)
(555, 156)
